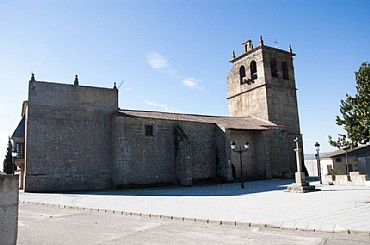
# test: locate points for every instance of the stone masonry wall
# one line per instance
(223, 155)
(140, 159)
(201, 151)
(254, 160)
(279, 152)
(281, 93)
(69, 137)
(8, 209)
(269, 98)
(247, 99)
(283, 110)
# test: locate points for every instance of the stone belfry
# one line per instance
(261, 83)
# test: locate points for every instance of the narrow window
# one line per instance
(149, 130)
(242, 74)
(285, 70)
(253, 68)
(273, 68)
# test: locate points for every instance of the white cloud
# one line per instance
(163, 107)
(157, 61)
(191, 83)
(160, 63)
(155, 104)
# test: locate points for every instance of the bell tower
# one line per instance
(261, 84)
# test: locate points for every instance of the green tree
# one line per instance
(356, 111)
(8, 161)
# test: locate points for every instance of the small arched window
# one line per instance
(242, 74)
(284, 67)
(253, 68)
(273, 67)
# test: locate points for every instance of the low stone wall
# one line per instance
(354, 179)
(8, 209)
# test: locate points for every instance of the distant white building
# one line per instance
(310, 163)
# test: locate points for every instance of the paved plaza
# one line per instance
(261, 204)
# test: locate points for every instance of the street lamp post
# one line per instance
(344, 144)
(14, 155)
(317, 147)
(347, 167)
(240, 151)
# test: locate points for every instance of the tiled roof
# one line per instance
(19, 131)
(249, 123)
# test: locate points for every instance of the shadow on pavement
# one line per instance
(233, 189)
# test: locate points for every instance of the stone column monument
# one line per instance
(299, 175)
(300, 185)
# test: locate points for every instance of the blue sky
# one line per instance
(174, 55)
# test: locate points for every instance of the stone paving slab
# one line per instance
(261, 204)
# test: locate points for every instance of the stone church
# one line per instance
(74, 137)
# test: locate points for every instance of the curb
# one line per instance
(278, 225)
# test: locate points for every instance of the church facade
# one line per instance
(76, 138)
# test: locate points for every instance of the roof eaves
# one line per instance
(235, 123)
(352, 152)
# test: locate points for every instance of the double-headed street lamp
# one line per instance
(240, 151)
(317, 155)
(14, 155)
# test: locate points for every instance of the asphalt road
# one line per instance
(41, 224)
